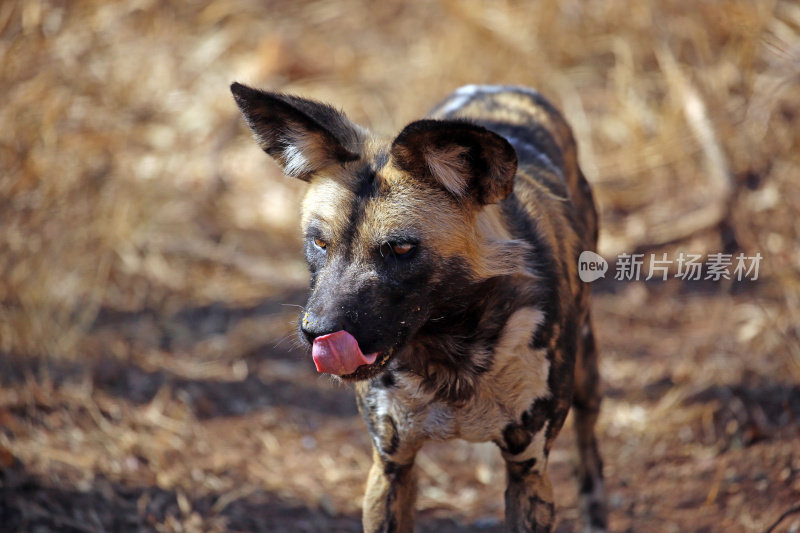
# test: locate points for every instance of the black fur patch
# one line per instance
(393, 469)
(540, 412)
(467, 320)
(541, 261)
(389, 439)
(597, 515)
(388, 380)
(535, 502)
(366, 187)
(587, 484)
(518, 471)
(516, 439)
(531, 142)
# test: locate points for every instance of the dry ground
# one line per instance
(150, 270)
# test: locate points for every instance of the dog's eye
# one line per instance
(320, 243)
(402, 248)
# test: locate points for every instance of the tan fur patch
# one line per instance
(498, 253)
(451, 230)
(389, 497)
(327, 200)
(449, 168)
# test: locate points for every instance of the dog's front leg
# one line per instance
(391, 486)
(529, 498)
(389, 500)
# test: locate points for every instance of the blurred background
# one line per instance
(150, 266)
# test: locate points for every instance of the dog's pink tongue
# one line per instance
(338, 353)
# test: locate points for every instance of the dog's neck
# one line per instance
(454, 347)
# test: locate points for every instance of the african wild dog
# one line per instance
(444, 285)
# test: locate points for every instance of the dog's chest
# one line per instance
(517, 377)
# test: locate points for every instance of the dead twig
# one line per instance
(721, 188)
(788, 512)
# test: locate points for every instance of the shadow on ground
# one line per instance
(28, 503)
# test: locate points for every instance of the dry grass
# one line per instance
(146, 247)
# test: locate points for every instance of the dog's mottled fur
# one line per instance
(452, 251)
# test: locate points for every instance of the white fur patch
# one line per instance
(455, 102)
(493, 89)
(463, 95)
(518, 377)
(519, 330)
(459, 98)
(519, 371)
(304, 154)
(294, 162)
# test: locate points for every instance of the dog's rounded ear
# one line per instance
(466, 159)
(302, 135)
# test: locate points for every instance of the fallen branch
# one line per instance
(795, 509)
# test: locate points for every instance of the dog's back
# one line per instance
(546, 150)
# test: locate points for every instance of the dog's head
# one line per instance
(394, 229)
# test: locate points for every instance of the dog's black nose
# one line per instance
(314, 326)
